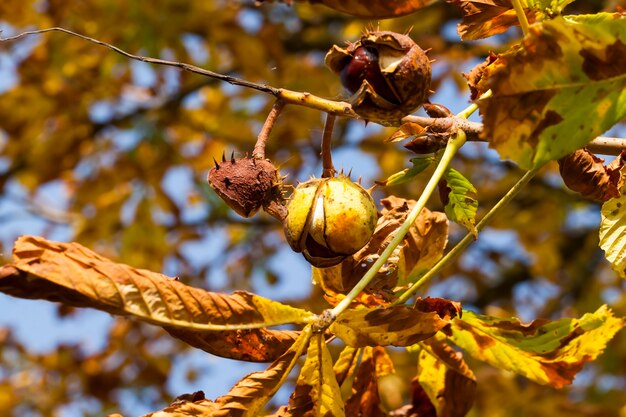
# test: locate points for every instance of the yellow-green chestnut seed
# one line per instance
(329, 219)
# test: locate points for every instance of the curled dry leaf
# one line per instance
(586, 174)
(484, 18)
(475, 80)
(225, 325)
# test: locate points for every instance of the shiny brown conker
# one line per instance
(362, 66)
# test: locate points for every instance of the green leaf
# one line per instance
(420, 163)
(547, 352)
(613, 230)
(461, 205)
(562, 88)
(397, 326)
(317, 392)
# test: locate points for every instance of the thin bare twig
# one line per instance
(473, 130)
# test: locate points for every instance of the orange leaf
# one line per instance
(226, 325)
(484, 18)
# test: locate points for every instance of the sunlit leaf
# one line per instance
(458, 196)
(613, 229)
(547, 352)
(445, 378)
(345, 364)
(531, 118)
(397, 326)
(76, 276)
(317, 392)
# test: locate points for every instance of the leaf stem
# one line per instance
(454, 144)
(261, 141)
(328, 170)
(469, 238)
(521, 16)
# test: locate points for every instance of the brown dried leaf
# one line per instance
(396, 325)
(586, 174)
(365, 399)
(74, 275)
(445, 378)
(254, 345)
(407, 130)
(484, 18)
(475, 77)
(422, 247)
(444, 308)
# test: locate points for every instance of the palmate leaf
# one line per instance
(613, 229)
(547, 352)
(248, 397)
(74, 275)
(458, 196)
(396, 325)
(531, 117)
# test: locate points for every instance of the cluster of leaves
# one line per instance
(530, 119)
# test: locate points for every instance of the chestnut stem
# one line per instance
(261, 141)
(328, 170)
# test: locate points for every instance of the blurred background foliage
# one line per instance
(113, 153)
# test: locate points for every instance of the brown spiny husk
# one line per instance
(247, 184)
